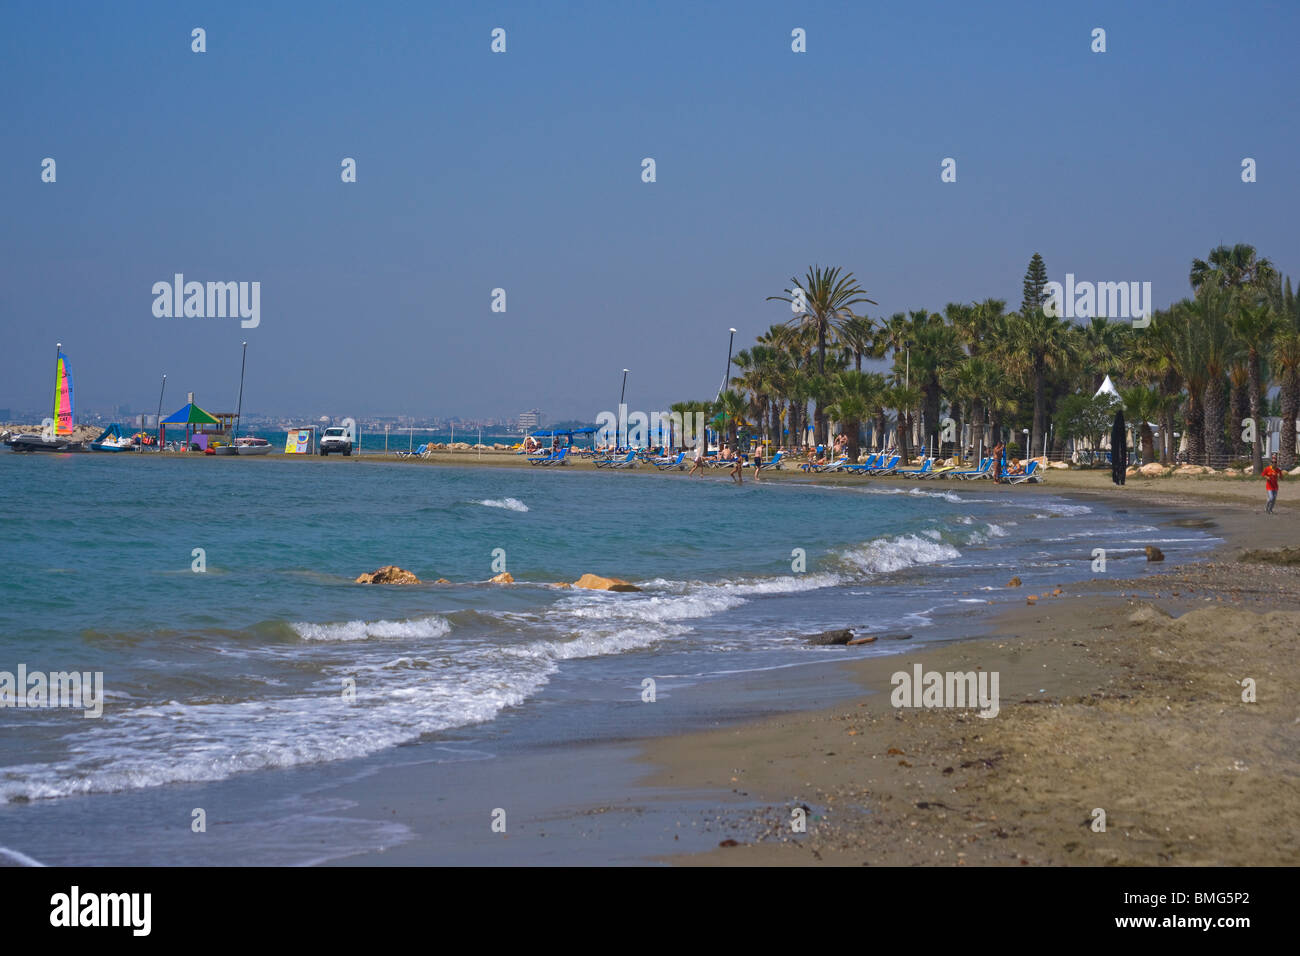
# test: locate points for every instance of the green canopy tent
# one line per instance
(189, 416)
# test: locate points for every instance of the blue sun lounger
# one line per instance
(615, 462)
(866, 466)
(916, 472)
(983, 471)
(885, 469)
(1031, 475)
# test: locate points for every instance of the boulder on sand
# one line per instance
(1153, 469)
(388, 574)
(502, 578)
(1154, 553)
(1014, 583)
(594, 582)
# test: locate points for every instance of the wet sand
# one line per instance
(1121, 695)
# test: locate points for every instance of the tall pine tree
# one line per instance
(1035, 293)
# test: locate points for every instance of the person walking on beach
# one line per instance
(1118, 449)
(999, 460)
(758, 461)
(1271, 475)
(699, 461)
(737, 468)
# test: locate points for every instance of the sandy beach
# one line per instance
(1121, 695)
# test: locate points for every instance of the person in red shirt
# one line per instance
(1271, 474)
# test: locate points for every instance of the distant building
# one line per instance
(530, 421)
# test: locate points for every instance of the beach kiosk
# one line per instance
(193, 418)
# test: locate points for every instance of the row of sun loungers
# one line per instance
(878, 465)
(887, 465)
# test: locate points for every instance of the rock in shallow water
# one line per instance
(842, 636)
(594, 582)
(388, 574)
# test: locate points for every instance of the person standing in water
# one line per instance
(1271, 475)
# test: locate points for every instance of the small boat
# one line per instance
(113, 439)
(56, 438)
(42, 443)
(243, 444)
(251, 445)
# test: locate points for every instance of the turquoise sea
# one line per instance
(234, 667)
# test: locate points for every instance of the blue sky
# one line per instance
(523, 171)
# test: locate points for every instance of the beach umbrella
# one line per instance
(1118, 449)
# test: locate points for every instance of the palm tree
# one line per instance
(1238, 405)
(971, 383)
(1286, 363)
(823, 301)
(1103, 344)
(1141, 404)
(902, 398)
(856, 395)
(936, 351)
(1220, 350)
(1038, 344)
(1255, 329)
(857, 335)
(688, 411)
(1232, 267)
(731, 413)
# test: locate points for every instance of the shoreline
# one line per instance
(1122, 695)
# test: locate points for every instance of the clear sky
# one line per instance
(523, 171)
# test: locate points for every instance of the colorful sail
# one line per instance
(63, 417)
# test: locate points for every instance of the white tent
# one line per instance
(1108, 388)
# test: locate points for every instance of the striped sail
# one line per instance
(63, 417)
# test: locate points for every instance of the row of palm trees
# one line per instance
(1201, 366)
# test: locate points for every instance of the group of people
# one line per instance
(727, 454)
(1003, 470)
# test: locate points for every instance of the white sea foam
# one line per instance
(883, 555)
(592, 644)
(510, 504)
(434, 626)
(655, 608)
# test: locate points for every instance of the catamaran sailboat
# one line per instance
(247, 444)
(53, 438)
